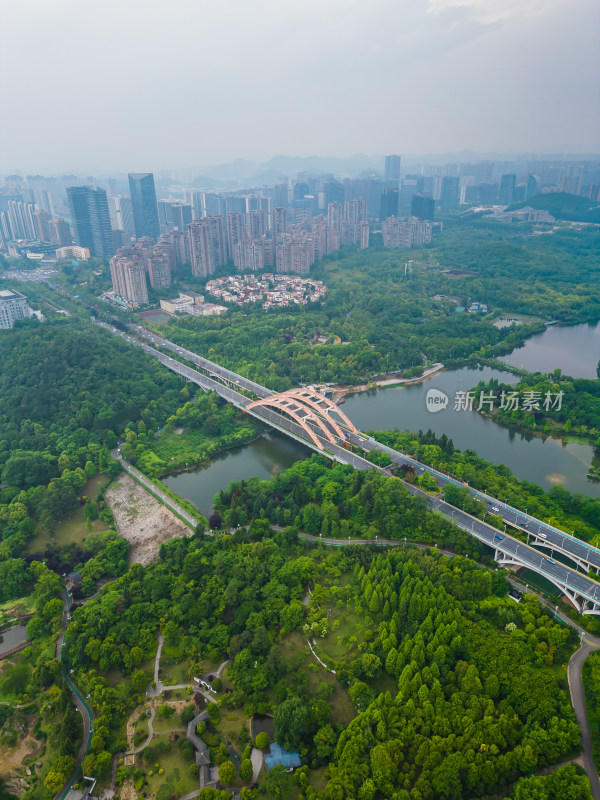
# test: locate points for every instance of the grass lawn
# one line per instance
(176, 773)
(539, 582)
(342, 643)
(230, 726)
(17, 608)
(342, 708)
(173, 666)
(72, 529)
(169, 445)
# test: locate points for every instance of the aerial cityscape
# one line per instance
(300, 401)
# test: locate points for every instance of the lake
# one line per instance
(546, 462)
(573, 349)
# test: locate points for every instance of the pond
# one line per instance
(265, 457)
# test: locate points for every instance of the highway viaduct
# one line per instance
(581, 590)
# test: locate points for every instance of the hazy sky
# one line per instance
(94, 85)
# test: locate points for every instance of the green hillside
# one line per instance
(565, 206)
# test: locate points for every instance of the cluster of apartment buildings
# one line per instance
(130, 266)
(254, 240)
(272, 290)
(399, 233)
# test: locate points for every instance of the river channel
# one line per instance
(545, 461)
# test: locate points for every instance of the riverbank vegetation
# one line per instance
(577, 414)
(591, 685)
(574, 513)
(197, 430)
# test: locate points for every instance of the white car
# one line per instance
(495, 509)
(542, 535)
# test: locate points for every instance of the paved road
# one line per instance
(544, 534)
(153, 489)
(526, 554)
(84, 709)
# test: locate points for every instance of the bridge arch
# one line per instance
(305, 406)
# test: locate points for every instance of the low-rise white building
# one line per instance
(13, 306)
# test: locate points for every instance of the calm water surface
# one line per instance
(550, 462)
(13, 638)
(271, 453)
(546, 462)
(575, 350)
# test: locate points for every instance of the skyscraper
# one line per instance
(507, 187)
(143, 204)
(422, 206)
(389, 204)
(449, 193)
(121, 217)
(392, 172)
(91, 219)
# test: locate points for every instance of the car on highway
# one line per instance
(498, 537)
(495, 509)
(542, 535)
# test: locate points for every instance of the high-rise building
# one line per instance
(334, 217)
(128, 275)
(449, 192)
(60, 232)
(389, 204)
(507, 187)
(159, 267)
(20, 219)
(533, 186)
(91, 219)
(278, 223)
(41, 220)
(422, 207)
(207, 245)
(121, 215)
(256, 224)
(249, 255)
(392, 172)
(236, 230)
(143, 204)
(412, 233)
(173, 214)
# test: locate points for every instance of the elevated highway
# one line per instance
(583, 592)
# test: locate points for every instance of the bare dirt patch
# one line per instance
(142, 520)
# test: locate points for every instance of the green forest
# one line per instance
(387, 320)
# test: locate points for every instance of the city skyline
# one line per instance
(474, 74)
